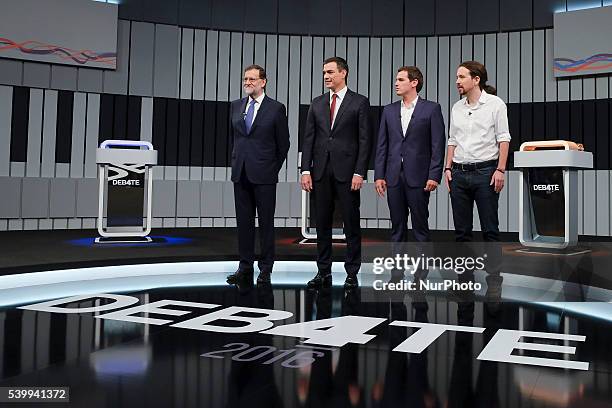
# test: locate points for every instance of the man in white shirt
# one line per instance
(478, 145)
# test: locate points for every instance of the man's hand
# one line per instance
(306, 182)
(381, 187)
(448, 176)
(356, 183)
(431, 185)
(497, 181)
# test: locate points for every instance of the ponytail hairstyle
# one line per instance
(478, 70)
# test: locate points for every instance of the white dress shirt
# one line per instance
(256, 107)
(406, 112)
(477, 130)
(340, 97)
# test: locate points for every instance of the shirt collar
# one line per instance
(340, 93)
(259, 98)
(411, 105)
(484, 97)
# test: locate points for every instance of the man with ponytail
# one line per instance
(478, 145)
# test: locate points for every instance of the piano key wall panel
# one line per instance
(173, 86)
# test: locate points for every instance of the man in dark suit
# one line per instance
(260, 136)
(409, 155)
(335, 153)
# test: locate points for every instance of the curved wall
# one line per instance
(173, 85)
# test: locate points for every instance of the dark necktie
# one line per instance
(248, 119)
(332, 109)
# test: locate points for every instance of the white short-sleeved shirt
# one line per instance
(476, 131)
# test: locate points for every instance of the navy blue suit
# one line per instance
(257, 157)
(407, 161)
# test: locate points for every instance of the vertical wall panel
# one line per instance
(526, 67)
(539, 56)
(235, 68)
(91, 135)
(35, 198)
(260, 49)
(141, 58)
(116, 81)
(375, 55)
(79, 118)
(490, 59)
(11, 72)
(63, 77)
(271, 64)
(36, 75)
(602, 202)
(166, 61)
(223, 64)
(317, 67)
(6, 108)
(514, 67)
(10, 205)
(186, 62)
(455, 60)
(282, 95)
(431, 74)
(89, 80)
(62, 198)
(306, 70)
(409, 50)
(35, 132)
(550, 82)
(212, 45)
(199, 64)
(49, 132)
(502, 66)
(341, 43)
(363, 67)
(589, 208)
(467, 52)
(386, 72)
(421, 59)
(352, 51)
(329, 47)
(293, 106)
(248, 49)
(479, 48)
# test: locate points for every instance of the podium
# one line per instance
(125, 190)
(548, 192)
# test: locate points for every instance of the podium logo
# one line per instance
(122, 171)
(546, 187)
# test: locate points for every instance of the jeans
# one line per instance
(468, 187)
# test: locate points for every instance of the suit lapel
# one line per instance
(327, 111)
(415, 115)
(397, 117)
(240, 114)
(343, 107)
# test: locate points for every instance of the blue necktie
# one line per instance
(248, 119)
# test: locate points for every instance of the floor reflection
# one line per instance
(119, 364)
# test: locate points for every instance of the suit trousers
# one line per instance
(248, 198)
(403, 201)
(326, 190)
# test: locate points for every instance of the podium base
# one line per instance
(572, 251)
(122, 240)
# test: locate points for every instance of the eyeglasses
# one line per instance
(245, 80)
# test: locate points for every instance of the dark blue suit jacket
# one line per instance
(263, 150)
(422, 148)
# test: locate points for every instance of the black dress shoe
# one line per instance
(320, 280)
(351, 282)
(264, 277)
(240, 276)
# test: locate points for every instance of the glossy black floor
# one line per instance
(110, 363)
